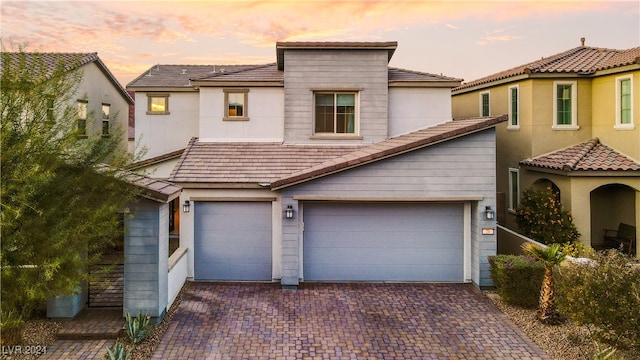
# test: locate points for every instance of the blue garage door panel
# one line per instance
(232, 241)
(383, 242)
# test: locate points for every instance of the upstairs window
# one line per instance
(157, 104)
(484, 104)
(565, 107)
(106, 110)
(514, 188)
(624, 103)
(335, 113)
(235, 104)
(82, 117)
(514, 108)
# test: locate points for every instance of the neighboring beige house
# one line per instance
(574, 125)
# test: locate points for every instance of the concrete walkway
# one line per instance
(341, 321)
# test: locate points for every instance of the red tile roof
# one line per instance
(581, 60)
(588, 156)
(71, 61)
(394, 146)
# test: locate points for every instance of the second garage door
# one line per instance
(232, 241)
(383, 242)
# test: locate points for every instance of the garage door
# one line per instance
(383, 242)
(232, 241)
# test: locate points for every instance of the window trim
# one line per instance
(245, 116)
(355, 135)
(106, 120)
(511, 125)
(150, 97)
(619, 125)
(513, 203)
(482, 93)
(574, 106)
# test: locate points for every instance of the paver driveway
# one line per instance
(341, 321)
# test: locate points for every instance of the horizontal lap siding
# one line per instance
(335, 69)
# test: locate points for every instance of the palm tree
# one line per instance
(550, 257)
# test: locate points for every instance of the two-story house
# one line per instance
(327, 165)
(572, 126)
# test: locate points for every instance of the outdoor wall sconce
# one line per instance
(488, 231)
(288, 212)
(186, 207)
(489, 213)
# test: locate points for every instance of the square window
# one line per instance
(335, 113)
(235, 101)
(158, 104)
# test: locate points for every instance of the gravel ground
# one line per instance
(566, 341)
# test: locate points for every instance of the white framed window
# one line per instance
(335, 113)
(485, 104)
(106, 113)
(624, 103)
(82, 117)
(514, 188)
(157, 104)
(235, 104)
(514, 107)
(565, 105)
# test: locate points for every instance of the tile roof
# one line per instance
(581, 60)
(402, 75)
(179, 76)
(71, 61)
(153, 189)
(248, 162)
(391, 147)
(266, 73)
(156, 159)
(588, 156)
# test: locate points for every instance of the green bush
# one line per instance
(11, 326)
(138, 327)
(604, 295)
(577, 250)
(541, 217)
(517, 279)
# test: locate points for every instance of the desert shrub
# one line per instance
(138, 327)
(577, 250)
(517, 279)
(604, 295)
(541, 217)
(11, 326)
(117, 352)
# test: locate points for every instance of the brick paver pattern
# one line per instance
(341, 321)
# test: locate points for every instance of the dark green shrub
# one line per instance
(541, 217)
(517, 279)
(11, 326)
(604, 295)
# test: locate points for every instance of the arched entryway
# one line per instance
(611, 205)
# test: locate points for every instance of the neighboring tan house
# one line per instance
(574, 125)
(327, 165)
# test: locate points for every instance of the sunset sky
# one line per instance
(464, 39)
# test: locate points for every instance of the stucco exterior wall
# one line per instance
(416, 108)
(265, 109)
(626, 140)
(161, 134)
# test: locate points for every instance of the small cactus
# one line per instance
(137, 327)
(117, 352)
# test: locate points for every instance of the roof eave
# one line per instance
(424, 84)
(252, 83)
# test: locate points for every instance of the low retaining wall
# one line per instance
(177, 273)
